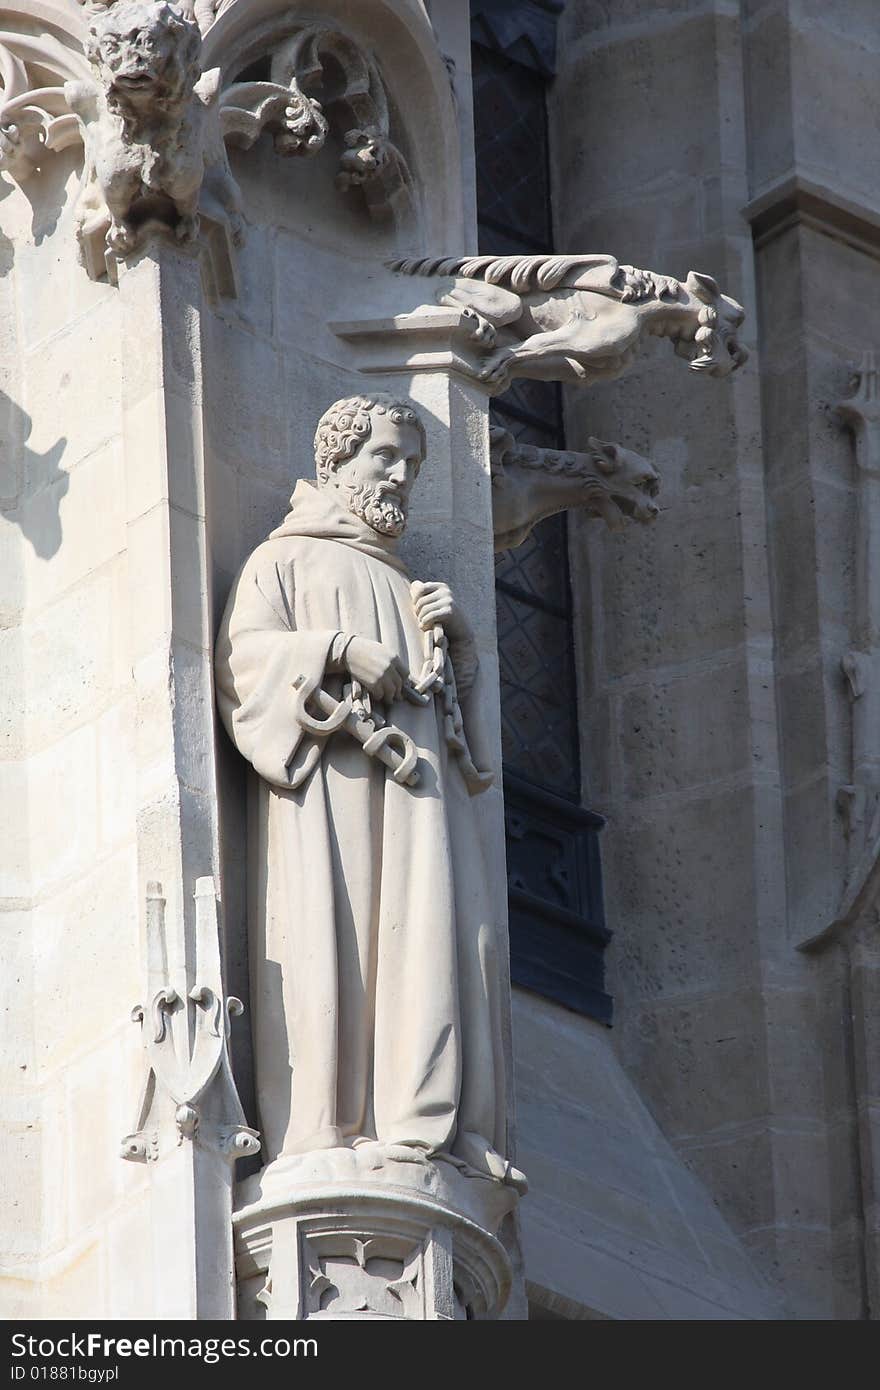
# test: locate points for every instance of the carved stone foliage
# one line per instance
(529, 484)
(141, 87)
(35, 117)
(580, 318)
(186, 1040)
(320, 80)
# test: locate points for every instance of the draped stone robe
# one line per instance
(375, 977)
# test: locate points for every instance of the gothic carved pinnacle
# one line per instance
(195, 1077)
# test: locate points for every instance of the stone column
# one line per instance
(170, 628)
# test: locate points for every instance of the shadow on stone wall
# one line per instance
(31, 484)
(47, 190)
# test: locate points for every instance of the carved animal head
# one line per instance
(629, 483)
(714, 347)
(529, 484)
(144, 56)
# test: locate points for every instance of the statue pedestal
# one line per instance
(358, 1233)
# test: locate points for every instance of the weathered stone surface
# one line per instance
(756, 579)
(625, 1201)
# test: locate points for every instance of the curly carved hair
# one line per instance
(347, 424)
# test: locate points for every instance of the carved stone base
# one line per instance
(359, 1233)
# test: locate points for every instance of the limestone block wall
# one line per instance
(69, 884)
(716, 723)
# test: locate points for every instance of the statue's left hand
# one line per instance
(433, 603)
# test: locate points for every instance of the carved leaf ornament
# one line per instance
(34, 115)
(354, 105)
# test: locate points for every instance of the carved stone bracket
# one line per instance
(432, 338)
(365, 1234)
(186, 1040)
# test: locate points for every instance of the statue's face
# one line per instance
(144, 52)
(376, 481)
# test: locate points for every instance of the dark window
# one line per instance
(557, 930)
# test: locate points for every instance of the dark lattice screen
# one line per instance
(538, 701)
(557, 926)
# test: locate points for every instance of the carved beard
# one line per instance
(384, 514)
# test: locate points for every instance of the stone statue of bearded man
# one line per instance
(375, 975)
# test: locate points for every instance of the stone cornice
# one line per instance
(794, 200)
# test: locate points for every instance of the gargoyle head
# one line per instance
(714, 348)
(629, 484)
(145, 56)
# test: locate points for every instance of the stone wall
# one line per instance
(69, 862)
(716, 723)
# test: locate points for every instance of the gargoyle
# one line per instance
(581, 318)
(529, 484)
(154, 154)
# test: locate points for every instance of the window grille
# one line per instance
(557, 928)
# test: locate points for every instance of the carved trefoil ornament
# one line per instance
(402, 1245)
(35, 118)
(185, 1030)
(357, 1273)
(140, 83)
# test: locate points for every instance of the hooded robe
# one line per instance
(376, 988)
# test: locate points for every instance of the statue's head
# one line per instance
(145, 55)
(369, 450)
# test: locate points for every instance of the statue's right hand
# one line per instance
(376, 667)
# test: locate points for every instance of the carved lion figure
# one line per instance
(153, 149)
(582, 318)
